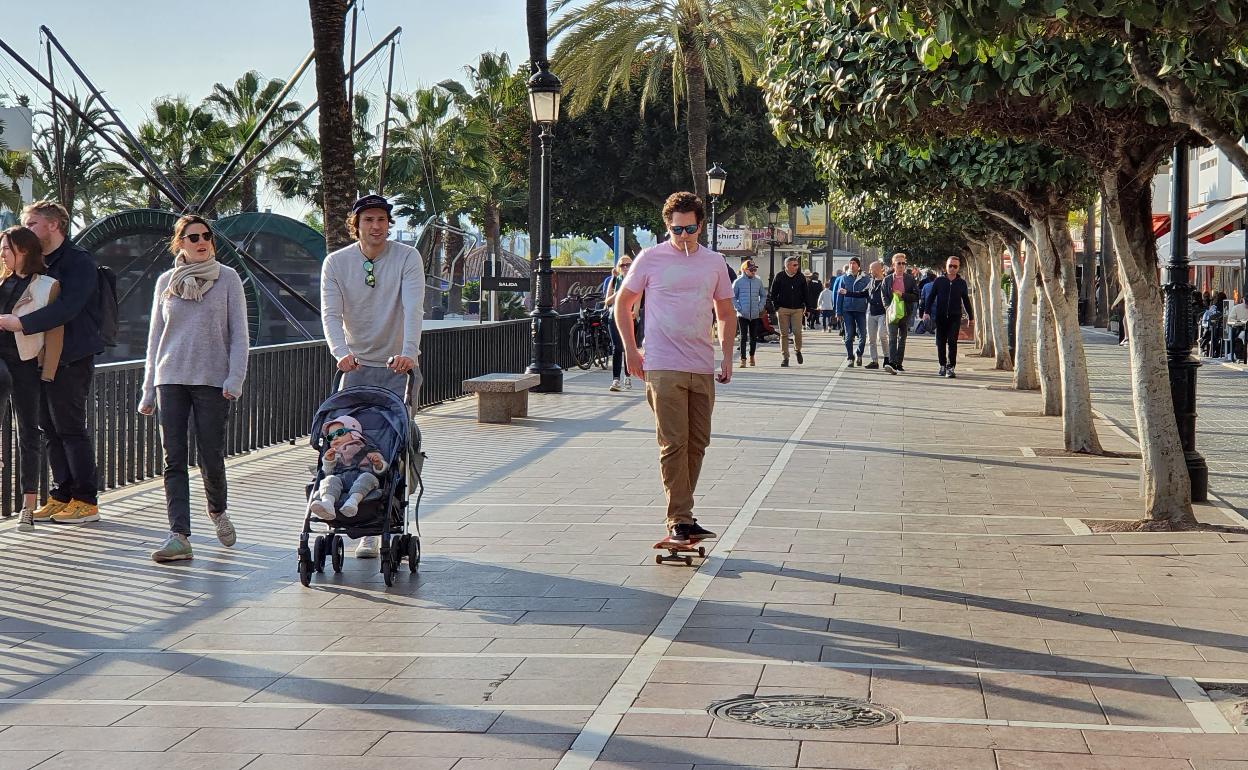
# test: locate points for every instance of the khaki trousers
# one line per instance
(682, 403)
(790, 318)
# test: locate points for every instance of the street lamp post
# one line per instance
(773, 216)
(544, 94)
(1181, 328)
(716, 178)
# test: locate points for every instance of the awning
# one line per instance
(1163, 247)
(1224, 252)
(1216, 217)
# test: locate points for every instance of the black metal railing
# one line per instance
(285, 384)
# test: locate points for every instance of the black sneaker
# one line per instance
(800, 360)
(899, 367)
(784, 362)
(949, 374)
(680, 534)
(872, 365)
(698, 532)
(942, 371)
(860, 360)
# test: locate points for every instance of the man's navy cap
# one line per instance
(371, 202)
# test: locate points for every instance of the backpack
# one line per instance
(106, 288)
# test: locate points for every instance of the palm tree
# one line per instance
(334, 116)
(298, 176)
(571, 252)
(187, 141)
(84, 164)
(240, 108)
(699, 44)
(14, 166)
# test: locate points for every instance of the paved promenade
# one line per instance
(914, 541)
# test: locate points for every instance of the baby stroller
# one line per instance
(384, 512)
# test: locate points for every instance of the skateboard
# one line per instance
(674, 551)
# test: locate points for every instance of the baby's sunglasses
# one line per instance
(333, 434)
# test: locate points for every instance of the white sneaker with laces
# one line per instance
(369, 548)
(26, 522)
(615, 386)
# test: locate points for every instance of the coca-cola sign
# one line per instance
(573, 284)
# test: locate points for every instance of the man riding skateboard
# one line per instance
(686, 287)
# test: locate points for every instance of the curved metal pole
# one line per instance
(385, 126)
(56, 135)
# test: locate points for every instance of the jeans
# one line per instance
(617, 347)
(877, 332)
(855, 326)
(209, 408)
(947, 340)
(897, 333)
(790, 319)
(828, 319)
(63, 423)
(749, 331)
(682, 404)
(20, 380)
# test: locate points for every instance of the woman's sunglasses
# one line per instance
(690, 229)
(625, 265)
(369, 278)
(194, 237)
(333, 434)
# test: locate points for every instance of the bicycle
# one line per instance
(589, 339)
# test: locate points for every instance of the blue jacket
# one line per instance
(846, 303)
(748, 296)
(946, 299)
(77, 308)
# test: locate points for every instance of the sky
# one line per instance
(138, 50)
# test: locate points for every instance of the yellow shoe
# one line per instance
(49, 509)
(77, 512)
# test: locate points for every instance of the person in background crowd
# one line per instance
(922, 326)
(611, 287)
(901, 284)
(853, 309)
(788, 296)
(1211, 326)
(373, 305)
(26, 360)
(827, 306)
(946, 297)
(196, 362)
(814, 287)
(749, 298)
(1237, 320)
(63, 405)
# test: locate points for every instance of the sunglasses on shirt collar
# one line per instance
(369, 279)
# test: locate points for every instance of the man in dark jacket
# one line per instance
(788, 296)
(63, 411)
(942, 310)
(814, 287)
(900, 283)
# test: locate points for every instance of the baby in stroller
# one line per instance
(352, 463)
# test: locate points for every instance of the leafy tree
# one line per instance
(187, 141)
(240, 108)
(696, 46)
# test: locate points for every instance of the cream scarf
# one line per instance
(192, 280)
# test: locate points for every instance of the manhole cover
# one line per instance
(804, 712)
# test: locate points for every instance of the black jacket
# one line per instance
(789, 292)
(77, 308)
(947, 298)
(813, 290)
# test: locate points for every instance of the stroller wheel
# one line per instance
(388, 568)
(318, 553)
(305, 571)
(413, 553)
(336, 552)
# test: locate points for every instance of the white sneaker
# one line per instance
(351, 506)
(615, 386)
(26, 523)
(323, 508)
(628, 383)
(369, 548)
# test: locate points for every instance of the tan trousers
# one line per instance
(790, 318)
(682, 403)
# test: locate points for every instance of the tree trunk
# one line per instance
(983, 320)
(695, 121)
(334, 120)
(1025, 375)
(251, 200)
(996, 307)
(493, 250)
(1046, 354)
(1058, 271)
(1164, 481)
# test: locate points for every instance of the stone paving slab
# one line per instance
(893, 538)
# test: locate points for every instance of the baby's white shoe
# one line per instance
(351, 506)
(323, 508)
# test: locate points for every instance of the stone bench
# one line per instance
(501, 396)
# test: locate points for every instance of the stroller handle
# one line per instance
(409, 376)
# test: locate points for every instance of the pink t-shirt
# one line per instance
(680, 305)
(899, 283)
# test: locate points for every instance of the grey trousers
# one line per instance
(331, 487)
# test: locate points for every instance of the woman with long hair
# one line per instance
(196, 363)
(26, 359)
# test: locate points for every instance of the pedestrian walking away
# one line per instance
(853, 310)
(196, 363)
(814, 287)
(827, 306)
(902, 288)
(749, 300)
(26, 360)
(72, 498)
(372, 306)
(611, 287)
(788, 296)
(942, 310)
(686, 289)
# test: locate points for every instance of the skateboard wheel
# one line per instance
(658, 558)
(688, 561)
(701, 552)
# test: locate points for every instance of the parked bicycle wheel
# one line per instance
(602, 348)
(581, 344)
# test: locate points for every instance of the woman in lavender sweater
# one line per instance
(196, 363)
